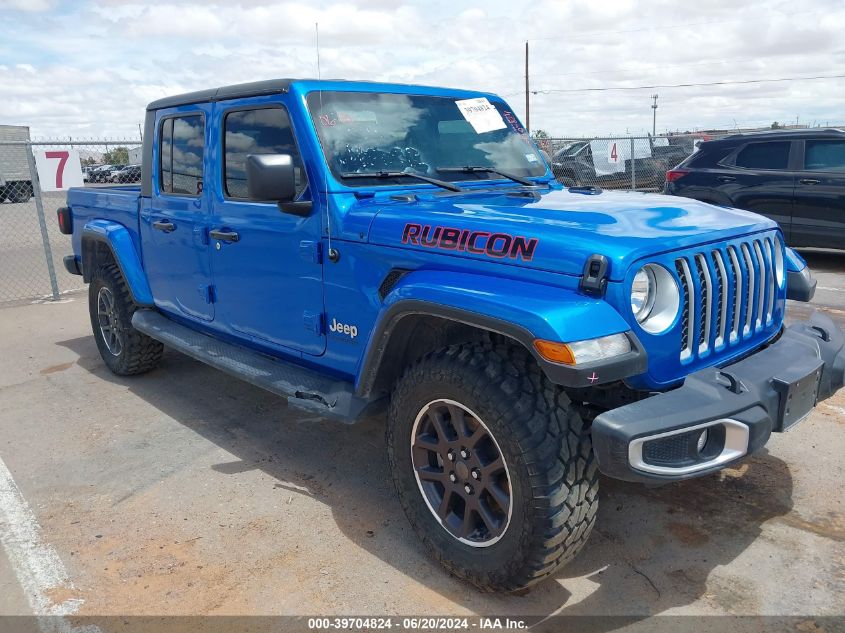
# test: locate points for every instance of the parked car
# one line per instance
(127, 175)
(108, 174)
(100, 173)
(359, 247)
(575, 163)
(671, 151)
(797, 178)
(87, 170)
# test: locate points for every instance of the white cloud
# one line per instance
(31, 6)
(90, 68)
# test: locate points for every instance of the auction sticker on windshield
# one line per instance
(481, 114)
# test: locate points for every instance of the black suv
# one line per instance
(794, 177)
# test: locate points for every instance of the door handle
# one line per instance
(725, 178)
(223, 236)
(809, 181)
(163, 225)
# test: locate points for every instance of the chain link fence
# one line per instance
(31, 246)
(637, 163)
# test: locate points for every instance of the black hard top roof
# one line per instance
(252, 89)
(784, 134)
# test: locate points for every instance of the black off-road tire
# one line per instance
(138, 352)
(544, 442)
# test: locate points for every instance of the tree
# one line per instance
(541, 137)
(776, 125)
(116, 156)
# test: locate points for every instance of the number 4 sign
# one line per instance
(58, 169)
(612, 153)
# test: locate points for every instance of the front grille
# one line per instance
(727, 295)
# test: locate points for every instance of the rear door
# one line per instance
(268, 275)
(818, 217)
(761, 180)
(174, 224)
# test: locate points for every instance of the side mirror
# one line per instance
(272, 178)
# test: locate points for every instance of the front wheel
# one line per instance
(493, 466)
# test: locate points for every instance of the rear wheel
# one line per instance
(492, 464)
(125, 350)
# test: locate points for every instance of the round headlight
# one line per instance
(655, 298)
(642, 294)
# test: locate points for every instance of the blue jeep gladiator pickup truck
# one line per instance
(360, 247)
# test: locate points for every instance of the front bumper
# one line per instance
(659, 439)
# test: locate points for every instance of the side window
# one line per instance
(166, 157)
(181, 155)
(824, 156)
(771, 155)
(257, 131)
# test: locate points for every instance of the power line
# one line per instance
(688, 85)
(653, 67)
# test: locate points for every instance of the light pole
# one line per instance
(654, 116)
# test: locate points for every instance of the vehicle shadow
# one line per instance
(653, 549)
(823, 260)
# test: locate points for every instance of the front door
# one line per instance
(818, 217)
(174, 221)
(268, 275)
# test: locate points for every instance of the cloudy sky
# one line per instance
(84, 69)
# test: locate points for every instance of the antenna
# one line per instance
(333, 254)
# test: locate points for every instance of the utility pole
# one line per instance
(527, 93)
(654, 116)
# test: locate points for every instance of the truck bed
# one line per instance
(117, 203)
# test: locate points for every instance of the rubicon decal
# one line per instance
(499, 245)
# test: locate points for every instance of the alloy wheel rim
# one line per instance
(461, 473)
(108, 320)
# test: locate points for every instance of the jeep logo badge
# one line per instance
(343, 328)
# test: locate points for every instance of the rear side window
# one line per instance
(708, 156)
(181, 155)
(257, 131)
(824, 156)
(771, 155)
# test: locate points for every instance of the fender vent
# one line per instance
(390, 282)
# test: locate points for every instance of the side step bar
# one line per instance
(304, 389)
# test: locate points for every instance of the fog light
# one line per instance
(702, 440)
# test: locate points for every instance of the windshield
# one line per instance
(368, 133)
(570, 150)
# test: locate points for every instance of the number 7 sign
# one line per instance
(58, 169)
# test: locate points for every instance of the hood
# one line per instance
(556, 231)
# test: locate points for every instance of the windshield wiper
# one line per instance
(491, 170)
(400, 174)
